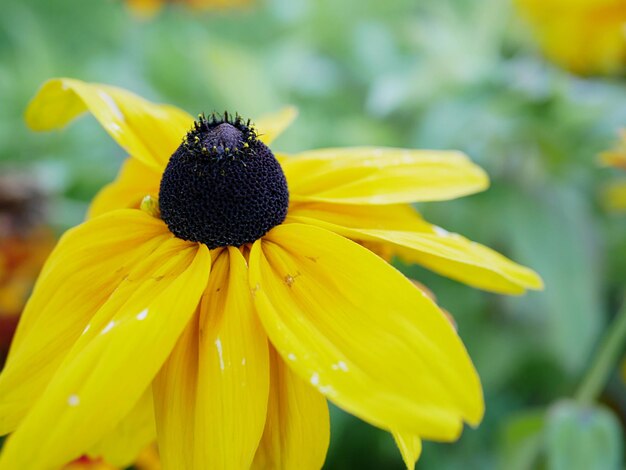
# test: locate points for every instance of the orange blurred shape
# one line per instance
(617, 156)
(25, 242)
(614, 193)
(148, 8)
(147, 460)
(86, 463)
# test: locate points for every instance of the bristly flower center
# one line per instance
(223, 186)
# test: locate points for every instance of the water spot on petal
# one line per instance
(108, 328)
(291, 356)
(442, 232)
(340, 366)
(111, 104)
(73, 400)
(315, 379)
(142, 315)
(114, 128)
(218, 345)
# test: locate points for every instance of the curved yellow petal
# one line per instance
(388, 217)
(211, 395)
(362, 334)
(371, 175)
(134, 181)
(270, 126)
(410, 446)
(148, 459)
(149, 132)
(297, 430)
(114, 360)
(445, 253)
(130, 437)
(83, 270)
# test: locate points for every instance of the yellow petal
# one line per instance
(297, 430)
(271, 126)
(389, 217)
(114, 360)
(130, 437)
(211, 395)
(134, 181)
(410, 447)
(149, 132)
(370, 175)
(84, 269)
(446, 253)
(148, 459)
(362, 334)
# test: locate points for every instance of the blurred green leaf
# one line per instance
(521, 443)
(554, 231)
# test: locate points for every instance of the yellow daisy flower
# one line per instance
(227, 313)
(148, 8)
(615, 192)
(583, 36)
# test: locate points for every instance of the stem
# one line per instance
(604, 361)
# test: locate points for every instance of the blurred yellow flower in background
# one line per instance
(25, 243)
(615, 192)
(583, 36)
(236, 330)
(150, 7)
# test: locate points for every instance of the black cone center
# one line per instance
(223, 186)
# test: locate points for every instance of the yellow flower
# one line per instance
(236, 335)
(583, 36)
(615, 192)
(148, 8)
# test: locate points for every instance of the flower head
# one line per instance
(231, 319)
(583, 36)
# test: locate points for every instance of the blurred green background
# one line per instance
(449, 74)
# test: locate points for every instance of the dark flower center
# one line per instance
(223, 186)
